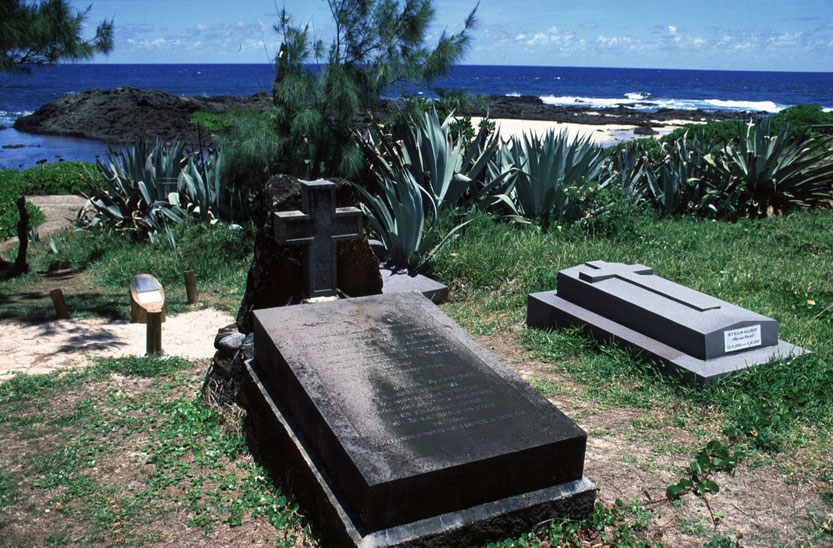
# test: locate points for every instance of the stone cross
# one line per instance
(642, 277)
(318, 226)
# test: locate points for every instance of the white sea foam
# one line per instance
(584, 101)
(766, 106)
(644, 102)
(827, 109)
(513, 94)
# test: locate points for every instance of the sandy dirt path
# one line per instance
(65, 344)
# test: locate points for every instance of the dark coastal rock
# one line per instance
(117, 116)
(275, 276)
(644, 130)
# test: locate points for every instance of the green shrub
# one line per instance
(718, 133)
(798, 119)
(608, 210)
(11, 187)
(9, 217)
(801, 117)
(210, 121)
(61, 178)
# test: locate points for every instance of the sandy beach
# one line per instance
(601, 134)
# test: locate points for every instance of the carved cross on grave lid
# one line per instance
(318, 226)
(642, 276)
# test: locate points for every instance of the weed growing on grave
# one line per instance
(699, 475)
(618, 525)
(719, 541)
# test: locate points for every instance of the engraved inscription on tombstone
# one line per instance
(410, 419)
(691, 332)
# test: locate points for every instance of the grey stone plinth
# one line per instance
(690, 332)
(400, 281)
(411, 423)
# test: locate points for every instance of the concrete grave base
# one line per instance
(400, 281)
(546, 309)
(473, 526)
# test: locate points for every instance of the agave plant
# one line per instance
(137, 177)
(544, 167)
(684, 179)
(209, 194)
(433, 157)
(398, 216)
(150, 188)
(483, 171)
(629, 169)
(774, 173)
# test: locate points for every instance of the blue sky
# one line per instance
(694, 34)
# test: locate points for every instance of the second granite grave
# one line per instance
(694, 334)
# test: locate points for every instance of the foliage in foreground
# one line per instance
(12, 188)
(10, 217)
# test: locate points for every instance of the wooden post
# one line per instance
(154, 342)
(60, 305)
(190, 286)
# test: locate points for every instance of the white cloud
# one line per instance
(787, 39)
(672, 29)
(621, 42)
(551, 37)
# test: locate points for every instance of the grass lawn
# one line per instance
(124, 452)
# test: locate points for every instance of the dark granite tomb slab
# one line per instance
(411, 426)
(689, 331)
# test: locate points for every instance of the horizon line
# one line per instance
(482, 65)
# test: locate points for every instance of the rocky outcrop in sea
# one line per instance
(116, 116)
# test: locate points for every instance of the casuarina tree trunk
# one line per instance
(20, 265)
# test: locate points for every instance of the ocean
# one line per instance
(641, 89)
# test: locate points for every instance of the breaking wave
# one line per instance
(645, 102)
(766, 106)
